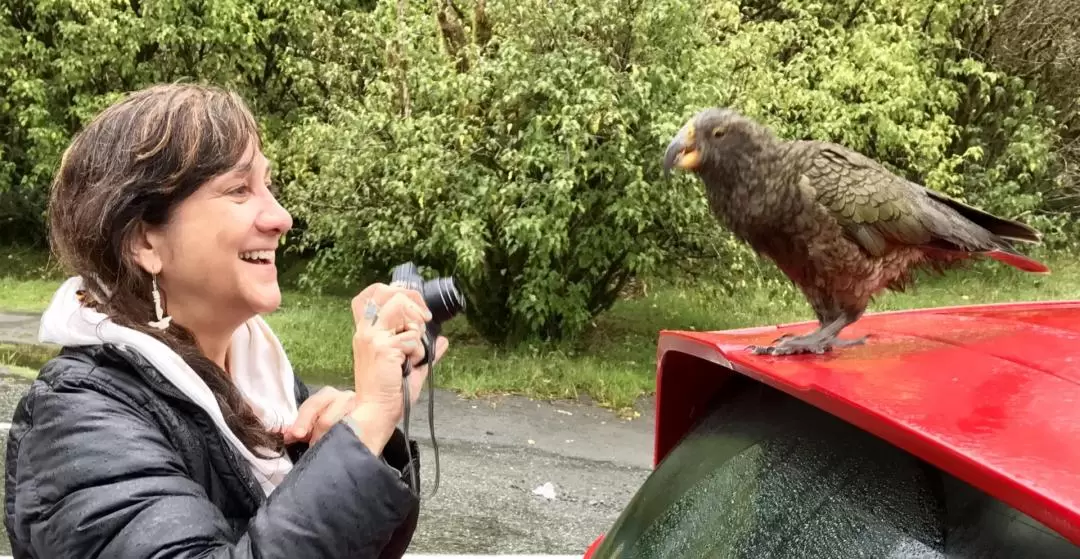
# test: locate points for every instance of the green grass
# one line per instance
(613, 363)
(24, 355)
(26, 373)
(27, 279)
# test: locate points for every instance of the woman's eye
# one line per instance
(238, 190)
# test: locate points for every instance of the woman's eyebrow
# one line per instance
(245, 167)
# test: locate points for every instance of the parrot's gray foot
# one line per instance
(788, 347)
(811, 343)
(849, 343)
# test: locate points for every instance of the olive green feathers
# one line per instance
(839, 224)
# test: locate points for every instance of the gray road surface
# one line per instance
(494, 453)
(20, 328)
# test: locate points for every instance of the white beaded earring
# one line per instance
(162, 321)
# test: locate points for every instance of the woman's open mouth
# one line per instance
(258, 256)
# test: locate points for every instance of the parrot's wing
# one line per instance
(875, 207)
(878, 209)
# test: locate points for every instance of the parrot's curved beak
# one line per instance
(682, 152)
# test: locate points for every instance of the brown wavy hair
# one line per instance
(129, 168)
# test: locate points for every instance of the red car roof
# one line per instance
(989, 393)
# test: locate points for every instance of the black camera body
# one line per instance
(445, 302)
(440, 295)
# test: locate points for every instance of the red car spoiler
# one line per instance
(989, 393)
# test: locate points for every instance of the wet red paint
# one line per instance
(988, 393)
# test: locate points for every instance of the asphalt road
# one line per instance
(493, 454)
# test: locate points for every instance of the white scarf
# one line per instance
(257, 361)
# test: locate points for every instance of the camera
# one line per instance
(445, 302)
(440, 295)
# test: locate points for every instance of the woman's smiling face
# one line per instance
(215, 256)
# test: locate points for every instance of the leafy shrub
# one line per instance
(529, 169)
(516, 144)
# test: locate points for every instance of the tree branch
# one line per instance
(403, 65)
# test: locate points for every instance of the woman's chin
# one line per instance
(264, 299)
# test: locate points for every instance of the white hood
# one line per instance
(257, 361)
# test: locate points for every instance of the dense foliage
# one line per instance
(516, 144)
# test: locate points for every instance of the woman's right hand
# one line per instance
(381, 343)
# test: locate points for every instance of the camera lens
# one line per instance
(443, 299)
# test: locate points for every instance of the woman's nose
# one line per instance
(274, 218)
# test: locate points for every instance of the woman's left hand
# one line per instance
(319, 413)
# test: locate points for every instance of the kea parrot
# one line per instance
(838, 224)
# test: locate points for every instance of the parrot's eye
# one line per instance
(718, 131)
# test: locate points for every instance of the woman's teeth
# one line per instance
(257, 255)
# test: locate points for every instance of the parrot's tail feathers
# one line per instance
(1007, 229)
(1019, 261)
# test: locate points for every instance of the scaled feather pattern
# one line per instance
(840, 225)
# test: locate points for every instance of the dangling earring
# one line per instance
(162, 321)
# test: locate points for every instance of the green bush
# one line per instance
(527, 166)
(516, 144)
(530, 170)
(64, 60)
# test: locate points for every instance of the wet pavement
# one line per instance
(18, 328)
(494, 453)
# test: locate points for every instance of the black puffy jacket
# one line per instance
(106, 458)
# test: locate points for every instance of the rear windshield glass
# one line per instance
(767, 476)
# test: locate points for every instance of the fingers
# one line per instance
(420, 374)
(417, 356)
(390, 324)
(310, 411)
(409, 343)
(332, 414)
(441, 345)
(377, 360)
(400, 312)
(381, 295)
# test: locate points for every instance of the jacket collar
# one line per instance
(109, 353)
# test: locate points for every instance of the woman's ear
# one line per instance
(145, 248)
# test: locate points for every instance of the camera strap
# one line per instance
(406, 369)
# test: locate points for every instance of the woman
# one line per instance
(171, 423)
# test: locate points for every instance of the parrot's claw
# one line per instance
(792, 345)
